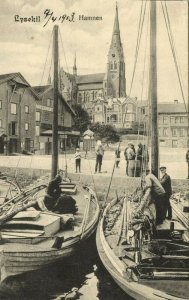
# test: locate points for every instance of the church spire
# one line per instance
(74, 66)
(116, 39)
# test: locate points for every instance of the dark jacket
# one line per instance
(166, 184)
(53, 189)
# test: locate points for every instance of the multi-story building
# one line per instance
(17, 114)
(173, 121)
(44, 120)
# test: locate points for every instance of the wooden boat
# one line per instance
(32, 239)
(146, 260)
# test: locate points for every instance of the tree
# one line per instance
(105, 132)
(82, 118)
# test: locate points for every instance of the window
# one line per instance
(49, 102)
(0, 104)
(0, 123)
(26, 126)
(46, 115)
(182, 119)
(26, 109)
(13, 128)
(111, 66)
(165, 132)
(31, 143)
(38, 116)
(182, 131)
(174, 132)
(13, 108)
(172, 120)
(177, 120)
(165, 120)
(174, 143)
(37, 130)
(115, 65)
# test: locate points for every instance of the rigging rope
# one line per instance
(140, 29)
(173, 48)
(46, 59)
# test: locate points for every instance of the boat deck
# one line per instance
(81, 201)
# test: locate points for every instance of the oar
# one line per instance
(122, 222)
(85, 216)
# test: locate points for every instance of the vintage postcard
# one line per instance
(94, 159)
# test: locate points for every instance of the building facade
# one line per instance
(173, 123)
(17, 114)
(44, 121)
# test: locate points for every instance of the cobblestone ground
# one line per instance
(173, 158)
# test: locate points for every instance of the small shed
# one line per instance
(88, 140)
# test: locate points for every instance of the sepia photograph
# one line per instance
(94, 150)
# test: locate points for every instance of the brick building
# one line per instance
(17, 114)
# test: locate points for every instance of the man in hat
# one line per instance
(165, 181)
(53, 192)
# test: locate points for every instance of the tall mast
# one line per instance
(153, 92)
(55, 105)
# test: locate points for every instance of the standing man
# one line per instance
(127, 161)
(99, 156)
(157, 193)
(166, 184)
(77, 160)
(187, 160)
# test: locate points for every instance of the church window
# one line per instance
(115, 65)
(111, 66)
(113, 76)
(113, 55)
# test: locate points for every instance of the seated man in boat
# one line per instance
(57, 202)
(153, 188)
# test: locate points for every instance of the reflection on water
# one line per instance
(84, 271)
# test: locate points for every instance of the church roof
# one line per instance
(167, 107)
(90, 78)
(116, 39)
(90, 86)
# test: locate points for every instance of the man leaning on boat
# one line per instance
(153, 188)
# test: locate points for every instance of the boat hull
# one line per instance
(136, 290)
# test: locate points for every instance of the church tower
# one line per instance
(75, 67)
(114, 83)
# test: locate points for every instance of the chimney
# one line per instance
(175, 101)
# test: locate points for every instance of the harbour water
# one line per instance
(84, 272)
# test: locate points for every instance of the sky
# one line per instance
(24, 46)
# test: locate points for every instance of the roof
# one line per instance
(91, 86)
(171, 108)
(45, 88)
(41, 88)
(90, 78)
(17, 77)
(167, 107)
(60, 132)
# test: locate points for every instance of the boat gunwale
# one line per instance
(132, 288)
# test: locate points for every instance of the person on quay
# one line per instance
(165, 181)
(157, 193)
(117, 157)
(187, 160)
(127, 161)
(78, 160)
(130, 156)
(99, 156)
(139, 155)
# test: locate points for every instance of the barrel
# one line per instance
(134, 168)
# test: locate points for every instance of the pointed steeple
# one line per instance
(74, 66)
(116, 39)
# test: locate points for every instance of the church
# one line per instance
(103, 95)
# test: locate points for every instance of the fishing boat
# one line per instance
(32, 239)
(146, 260)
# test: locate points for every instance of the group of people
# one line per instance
(130, 153)
(160, 193)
